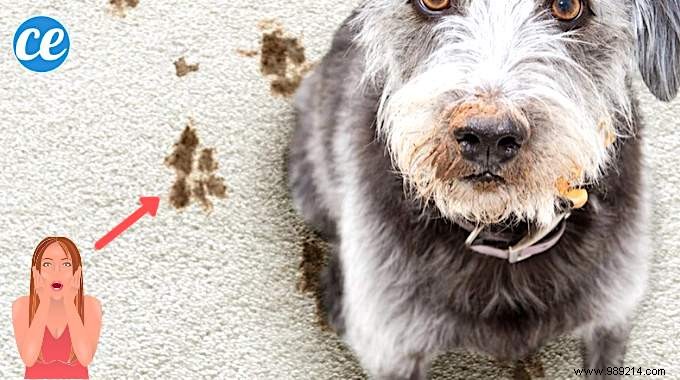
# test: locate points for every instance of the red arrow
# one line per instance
(149, 205)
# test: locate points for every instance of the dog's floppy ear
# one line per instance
(657, 24)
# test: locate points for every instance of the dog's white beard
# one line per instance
(567, 141)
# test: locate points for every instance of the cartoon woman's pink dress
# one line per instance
(55, 360)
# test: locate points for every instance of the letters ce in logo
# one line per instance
(41, 44)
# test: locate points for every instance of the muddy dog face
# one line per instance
(496, 108)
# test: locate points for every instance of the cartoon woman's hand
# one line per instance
(41, 289)
(71, 290)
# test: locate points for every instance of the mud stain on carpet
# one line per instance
(282, 58)
(534, 365)
(179, 193)
(208, 183)
(120, 5)
(206, 162)
(520, 373)
(182, 68)
(247, 53)
(312, 263)
(528, 369)
(196, 173)
(181, 159)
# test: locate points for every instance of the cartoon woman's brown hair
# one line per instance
(56, 326)
(72, 251)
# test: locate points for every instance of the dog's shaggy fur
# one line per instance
(373, 167)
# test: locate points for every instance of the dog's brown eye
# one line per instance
(436, 5)
(567, 10)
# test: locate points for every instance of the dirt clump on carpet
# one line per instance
(196, 176)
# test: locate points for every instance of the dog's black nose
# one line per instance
(490, 140)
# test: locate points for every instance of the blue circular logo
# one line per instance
(41, 44)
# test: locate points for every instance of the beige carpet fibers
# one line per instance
(213, 290)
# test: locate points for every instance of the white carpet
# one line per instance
(195, 295)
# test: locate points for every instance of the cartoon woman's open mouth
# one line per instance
(57, 285)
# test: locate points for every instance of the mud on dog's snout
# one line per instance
(486, 135)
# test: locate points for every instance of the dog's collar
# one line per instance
(533, 242)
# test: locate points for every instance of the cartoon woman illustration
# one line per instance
(56, 326)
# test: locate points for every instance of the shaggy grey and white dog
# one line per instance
(431, 118)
